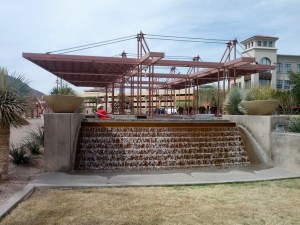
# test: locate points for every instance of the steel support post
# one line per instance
(113, 98)
(185, 95)
(106, 98)
(218, 97)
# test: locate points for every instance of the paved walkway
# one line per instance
(149, 178)
(164, 177)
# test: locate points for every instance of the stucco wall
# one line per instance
(61, 131)
(286, 150)
(260, 128)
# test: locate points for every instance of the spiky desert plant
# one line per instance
(32, 146)
(260, 93)
(63, 90)
(38, 135)
(232, 103)
(19, 155)
(12, 107)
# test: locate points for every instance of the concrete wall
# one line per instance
(61, 132)
(260, 127)
(286, 150)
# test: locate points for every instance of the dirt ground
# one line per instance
(20, 175)
(270, 202)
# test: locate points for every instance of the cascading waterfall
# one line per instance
(152, 145)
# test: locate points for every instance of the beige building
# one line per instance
(263, 49)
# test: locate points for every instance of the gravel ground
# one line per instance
(20, 175)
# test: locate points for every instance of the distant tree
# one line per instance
(208, 95)
(160, 98)
(295, 83)
(13, 104)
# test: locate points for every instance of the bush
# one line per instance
(32, 146)
(294, 124)
(286, 102)
(232, 104)
(19, 155)
(38, 136)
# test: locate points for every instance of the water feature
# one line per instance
(112, 145)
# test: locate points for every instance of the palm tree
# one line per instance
(13, 104)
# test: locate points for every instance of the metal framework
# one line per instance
(137, 74)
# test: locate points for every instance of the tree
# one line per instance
(13, 105)
(146, 98)
(160, 98)
(208, 95)
(295, 83)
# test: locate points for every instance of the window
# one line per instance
(259, 43)
(252, 44)
(270, 44)
(286, 85)
(279, 67)
(265, 44)
(279, 84)
(287, 67)
(265, 61)
(283, 84)
(298, 68)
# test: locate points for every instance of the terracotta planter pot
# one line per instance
(260, 107)
(63, 103)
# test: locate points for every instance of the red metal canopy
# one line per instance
(94, 71)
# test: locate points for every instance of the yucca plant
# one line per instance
(32, 146)
(232, 103)
(19, 155)
(13, 105)
(38, 136)
(63, 90)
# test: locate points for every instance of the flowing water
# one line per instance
(113, 146)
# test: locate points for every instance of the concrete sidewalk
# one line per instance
(149, 178)
(163, 177)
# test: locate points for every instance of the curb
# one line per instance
(10, 204)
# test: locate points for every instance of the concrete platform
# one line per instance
(199, 176)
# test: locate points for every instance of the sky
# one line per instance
(42, 26)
